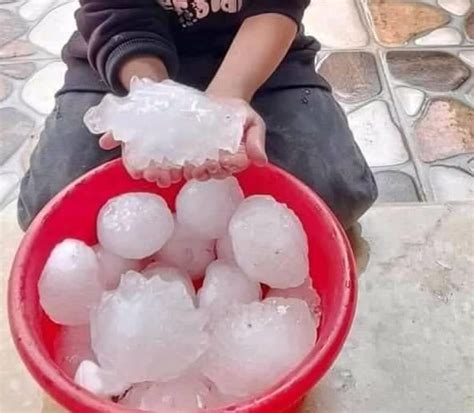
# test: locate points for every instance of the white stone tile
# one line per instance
(467, 56)
(440, 37)
(411, 99)
(335, 23)
(53, 31)
(457, 7)
(450, 184)
(34, 9)
(8, 184)
(379, 139)
(39, 91)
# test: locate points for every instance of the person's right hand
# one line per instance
(163, 177)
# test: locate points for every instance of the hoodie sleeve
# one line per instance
(294, 9)
(116, 30)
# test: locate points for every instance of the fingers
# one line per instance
(255, 141)
(234, 163)
(107, 142)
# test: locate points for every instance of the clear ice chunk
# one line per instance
(224, 285)
(269, 242)
(190, 392)
(112, 267)
(71, 347)
(69, 285)
(170, 274)
(134, 225)
(253, 346)
(93, 378)
(305, 292)
(207, 207)
(224, 249)
(187, 251)
(168, 124)
(148, 330)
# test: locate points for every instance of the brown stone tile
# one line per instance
(396, 21)
(5, 89)
(446, 129)
(11, 26)
(353, 76)
(435, 71)
(17, 70)
(470, 26)
(17, 48)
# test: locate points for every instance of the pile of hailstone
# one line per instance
(137, 331)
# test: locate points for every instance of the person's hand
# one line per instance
(252, 149)
(163, 177)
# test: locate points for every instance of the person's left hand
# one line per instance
(252, 148)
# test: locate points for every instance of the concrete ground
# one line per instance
(412, 345)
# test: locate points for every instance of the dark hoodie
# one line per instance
(190, 36)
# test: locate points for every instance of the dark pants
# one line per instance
(308, 135)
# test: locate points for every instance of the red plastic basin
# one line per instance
(73, 213)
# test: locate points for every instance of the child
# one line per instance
(250, 52)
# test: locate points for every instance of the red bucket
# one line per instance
(72, 214)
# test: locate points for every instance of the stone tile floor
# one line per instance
(402, 70)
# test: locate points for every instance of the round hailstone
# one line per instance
(305, 292)
(224, 285)
(186, 393)
(69, 285)
(170, 274)
(224, 249)
(253, 346)
(148, 330)
(71, 347)
(206, 207)
(99, 381)
(134, 225)
(112, 267)
(187, 251)
(269, 242)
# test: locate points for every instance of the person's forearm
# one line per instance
(143, 67)
(259, 47)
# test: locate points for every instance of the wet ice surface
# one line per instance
(99, 381)
(69, 285)
(207, 207)
(255, 345)
(170, 274)
(72, 346)
(134, 225)
(148, 330)
(190, 126)
(224, 285)
(269, 242)
(188, 392)
(305, 292)
(187, 251)
(224, 249)
(112, 267)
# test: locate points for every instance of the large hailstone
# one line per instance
(112, 267)
(101, 382)
(207, 207)
(188, 393)
(134, 225)
(224, 249)
(170, 274)
(269, 242)
(167, 123)
(69, 285)
(148, 330)
(187, 251)
(255, 345)
(224, 285)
